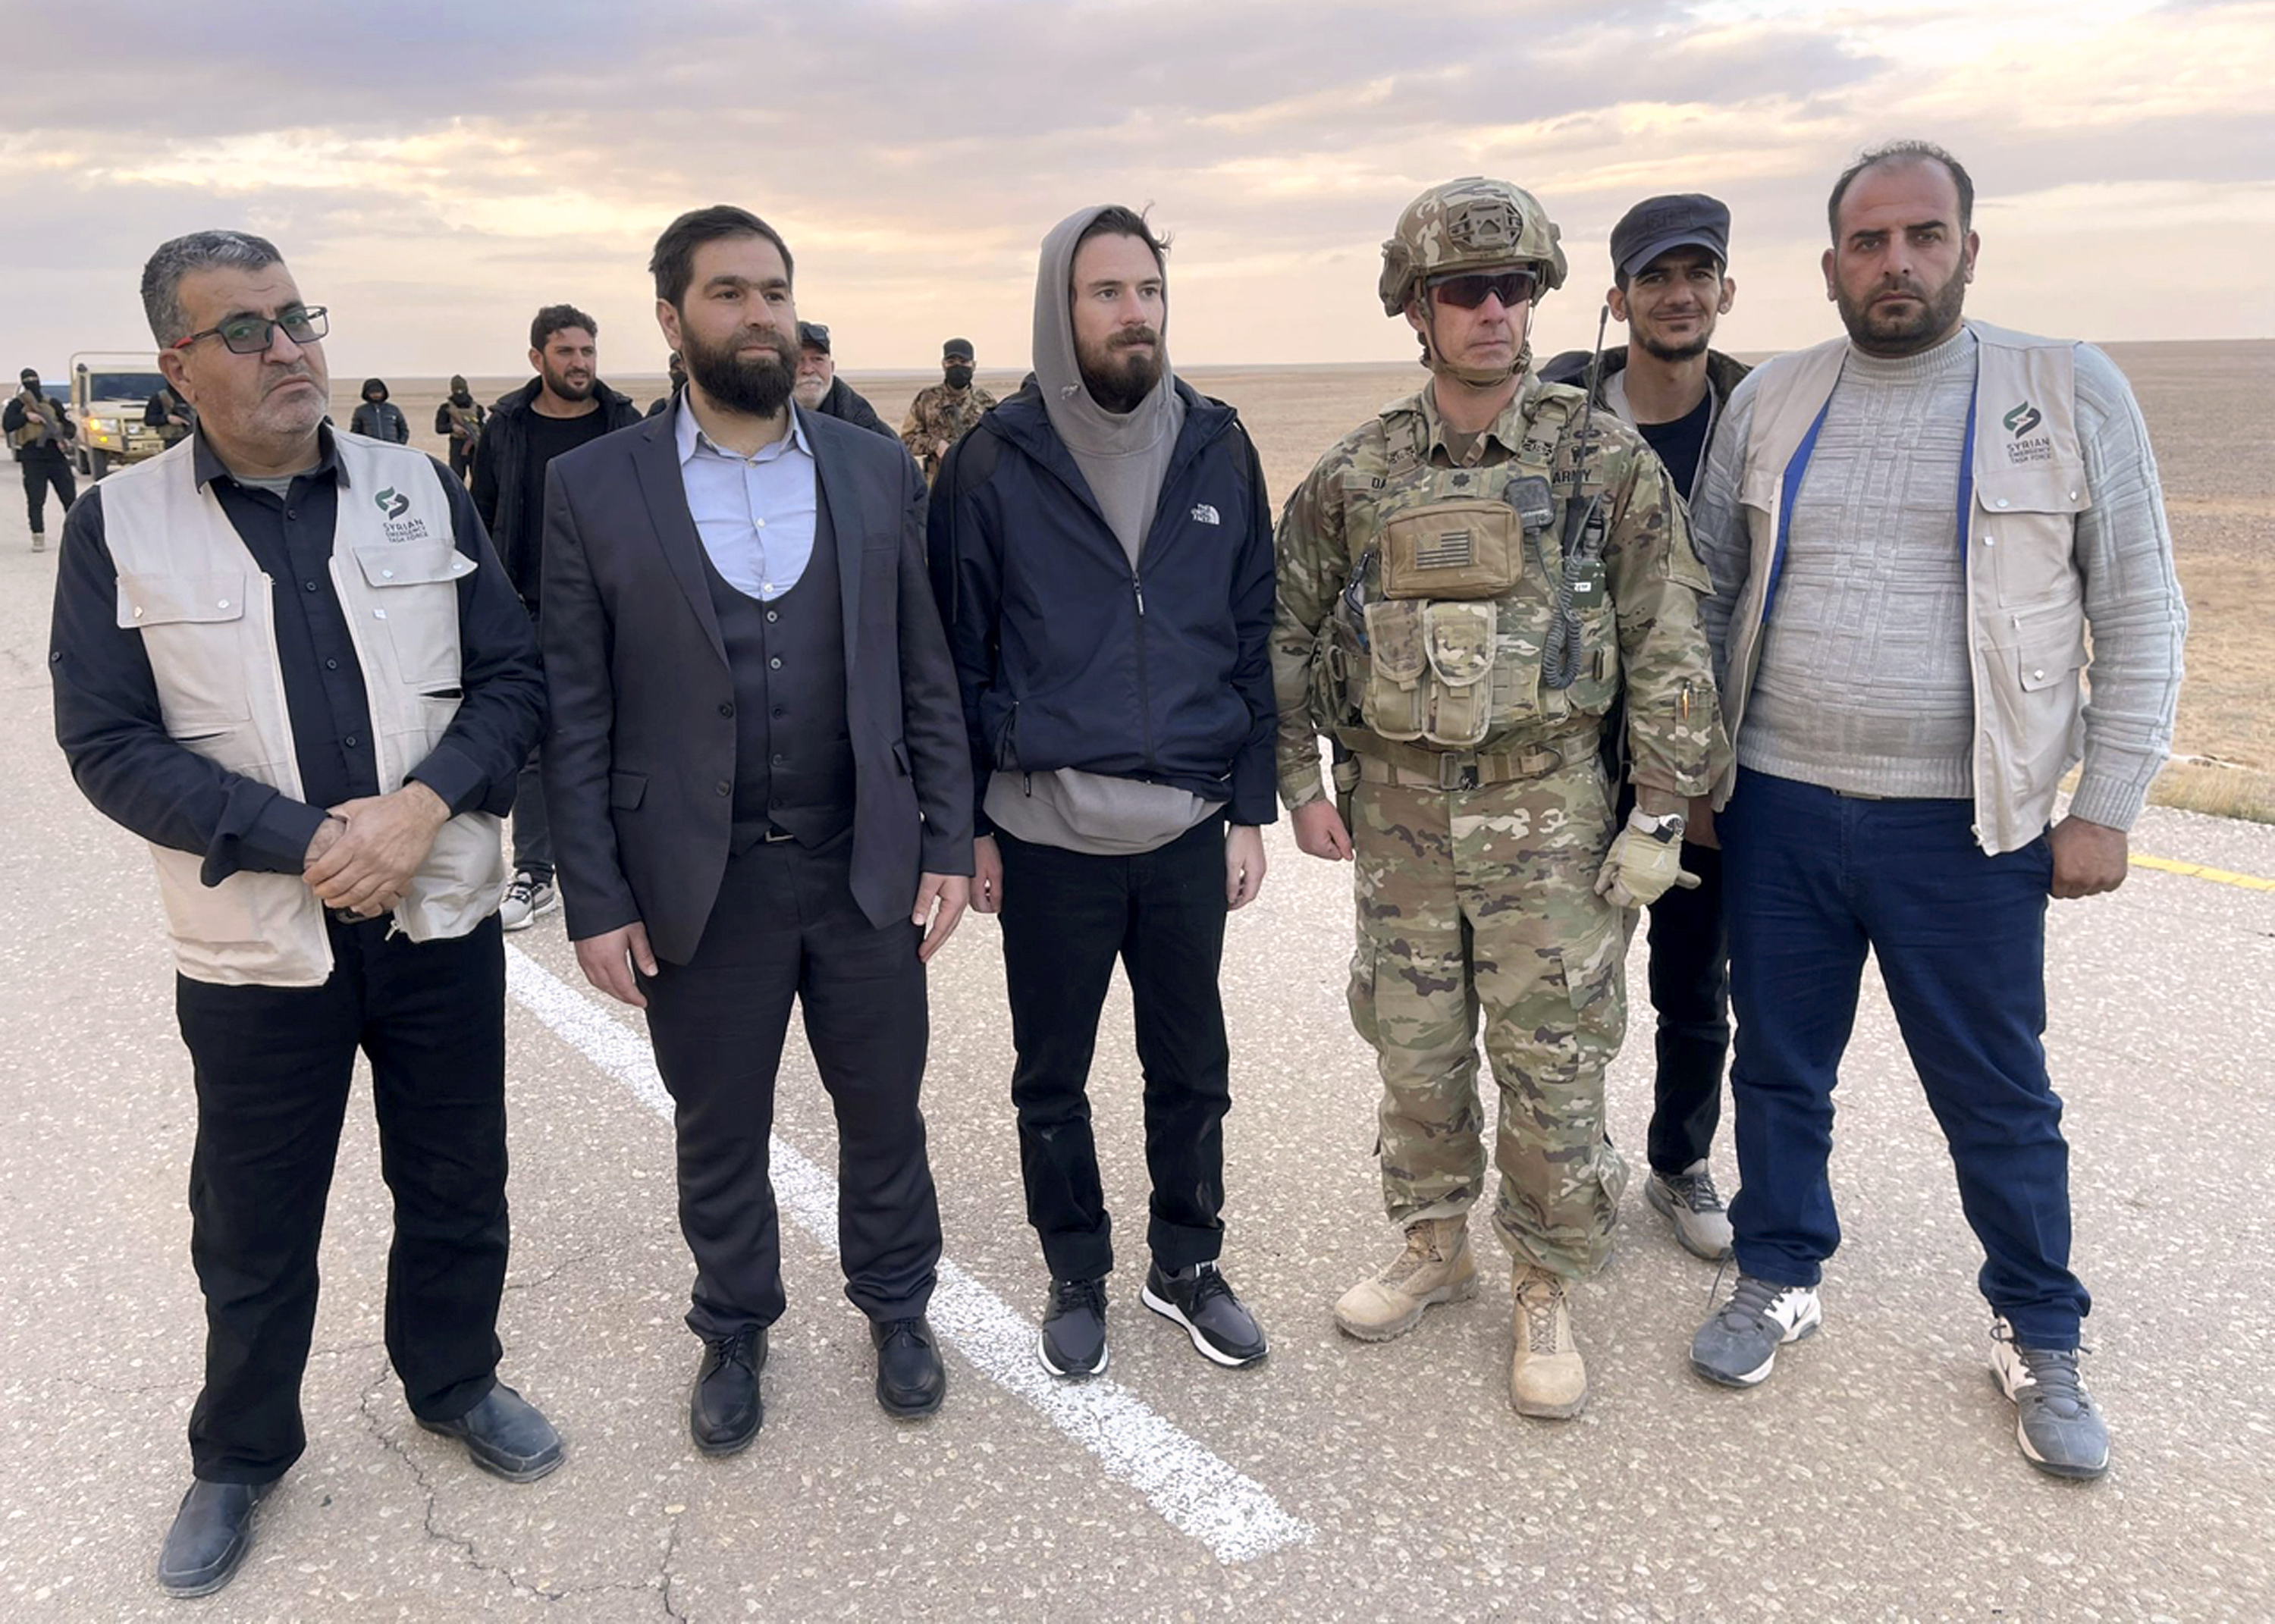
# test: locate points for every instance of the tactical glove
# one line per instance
(1644, 862)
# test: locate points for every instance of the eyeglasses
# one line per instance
(1468, 289)
(253, 335)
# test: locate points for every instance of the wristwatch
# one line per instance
(1666, 828)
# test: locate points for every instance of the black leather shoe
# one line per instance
(211, 1535)
(724, 1410)
(911, 1379)
(506, 1435)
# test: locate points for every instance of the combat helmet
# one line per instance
(1469, 225)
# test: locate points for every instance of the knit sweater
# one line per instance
(1862, 682)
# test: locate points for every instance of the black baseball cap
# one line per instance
(813, 335)
(1688, 220)
(956, 346)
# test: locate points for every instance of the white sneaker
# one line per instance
(2057, 1424)
(526, 900)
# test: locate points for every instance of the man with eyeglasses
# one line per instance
(1470, 584)
(289, 661)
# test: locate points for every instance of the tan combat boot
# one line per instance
(1435, 1267)
(1546, 1377)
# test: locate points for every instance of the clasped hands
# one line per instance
(364, 852)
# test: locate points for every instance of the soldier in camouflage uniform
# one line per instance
(1468, 583)
(940, 416)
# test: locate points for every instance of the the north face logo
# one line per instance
(392, 502)
(2023, 419)
(1204, 514)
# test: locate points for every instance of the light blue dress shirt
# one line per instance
(755, 514)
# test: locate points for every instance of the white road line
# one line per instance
(1198, 1493)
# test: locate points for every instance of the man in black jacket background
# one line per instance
(1671, 282)
(1101, 547)
(566, 406)
(821, 389)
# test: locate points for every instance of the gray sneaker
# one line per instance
(527, 899)
(1737, 1347)
(2056, 1421)
(1689, 1201)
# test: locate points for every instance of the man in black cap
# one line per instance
(940, 416)
(41, 432)
(676, 370)
(820, 389)
(1670, 283)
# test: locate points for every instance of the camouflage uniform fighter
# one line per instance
(1469, 582)
(940, 416)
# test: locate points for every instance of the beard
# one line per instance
(808, 391)
(755, 388)
(1880, 332)
(561, 387)
(1120, 376)
(1659, 350)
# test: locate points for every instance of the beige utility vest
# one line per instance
(2021, 487)
(206, 615)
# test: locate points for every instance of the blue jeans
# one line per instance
(1814, 878)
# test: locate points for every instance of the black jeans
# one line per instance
(533, 827)
(40, 473)
(786, 927)
(273, 1065)
(1067, 916)
(1690, 994)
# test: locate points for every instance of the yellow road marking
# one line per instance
(2198, 871)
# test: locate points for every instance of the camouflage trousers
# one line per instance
(1481, 903)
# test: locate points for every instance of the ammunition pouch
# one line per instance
(1427, 678)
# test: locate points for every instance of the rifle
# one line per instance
(1583, 539)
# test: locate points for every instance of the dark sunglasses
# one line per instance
(253, 335)
(1468, 289)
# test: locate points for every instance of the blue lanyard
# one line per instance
(1789, 488)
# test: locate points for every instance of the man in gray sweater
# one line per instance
(1912, 531)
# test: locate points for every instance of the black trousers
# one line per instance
(1690, 994)
(273, 1065)
(40, 474)
(1067, 916)
(786, 928)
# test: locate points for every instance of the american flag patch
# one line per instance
(1448, 549)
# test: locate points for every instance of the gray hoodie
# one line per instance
(1123, 458)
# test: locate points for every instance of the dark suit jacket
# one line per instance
(640, 754)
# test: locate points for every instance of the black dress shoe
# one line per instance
(506, 1435)
(211, 1535)
(911, 1379)
(723, 1408)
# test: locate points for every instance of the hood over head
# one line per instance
(1087, 427)
(369, 385)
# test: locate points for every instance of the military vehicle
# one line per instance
(108, 394)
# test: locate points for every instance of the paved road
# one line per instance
(1873, 1478)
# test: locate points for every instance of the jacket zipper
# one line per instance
(1144, 690)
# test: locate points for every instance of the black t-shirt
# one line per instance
(549, 438)
(1681, 444)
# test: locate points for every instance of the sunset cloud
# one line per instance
(435, 172)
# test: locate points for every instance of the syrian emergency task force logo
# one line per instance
(2023, 443)
(394, 506)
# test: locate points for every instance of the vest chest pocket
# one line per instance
(412, 591)
(1462, 549)
(2025, 522)
(193, 630)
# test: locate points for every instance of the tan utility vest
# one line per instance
(2021, 490)
(1438, 645)
(206, 615)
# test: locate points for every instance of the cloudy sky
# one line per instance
(434, 172)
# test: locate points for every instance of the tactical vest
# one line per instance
(1454, 574)
(206, 611)
(2022, 486)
